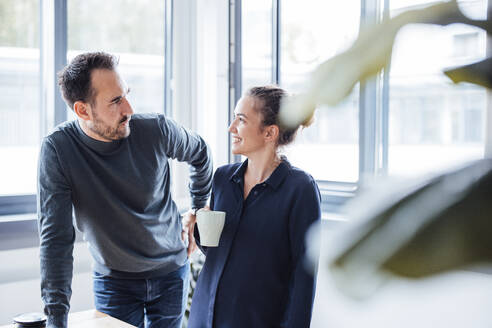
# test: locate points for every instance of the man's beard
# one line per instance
(110, 132)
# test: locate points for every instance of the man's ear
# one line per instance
(271, 132)
(82, 110)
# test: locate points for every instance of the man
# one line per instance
(112, 167)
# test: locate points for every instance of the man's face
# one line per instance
(111, 111)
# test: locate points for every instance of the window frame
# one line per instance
(17, 204)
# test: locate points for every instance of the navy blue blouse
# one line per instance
(256, 277)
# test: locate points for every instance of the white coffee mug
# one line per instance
(210, 225)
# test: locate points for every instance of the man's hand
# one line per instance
(188, 222)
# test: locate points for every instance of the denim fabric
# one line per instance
(150, 303)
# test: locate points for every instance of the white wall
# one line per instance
(20, 283)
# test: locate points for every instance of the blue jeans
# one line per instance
(158, 302)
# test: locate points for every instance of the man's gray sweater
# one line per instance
(120, 193)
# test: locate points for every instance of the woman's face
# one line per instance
(247, 135)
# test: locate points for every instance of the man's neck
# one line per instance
(87, 130)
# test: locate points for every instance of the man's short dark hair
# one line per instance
(75, 79)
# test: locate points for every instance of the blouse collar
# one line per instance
(274, 180)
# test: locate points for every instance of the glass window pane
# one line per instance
(134, 31)
(434, 124)
(20, 122)
(313, 31)
(256, 43)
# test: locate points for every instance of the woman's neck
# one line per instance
(261, 166)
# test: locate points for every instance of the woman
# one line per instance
(256, 277)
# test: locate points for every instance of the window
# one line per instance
(408, 120)
(257, 43)
(311, 33)
(20, 112)
(132, 30)
(136, 31)
(434, 124)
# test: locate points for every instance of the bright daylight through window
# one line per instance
(21, 121)
(256, 38)
(434, 124)
(312, 32)
(138, 40)
(425, 124)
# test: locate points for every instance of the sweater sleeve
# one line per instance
(196, 232)
(56, 234)
(305, 211)
(186, 146)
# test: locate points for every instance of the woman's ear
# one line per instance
(82, 110)
(272, 132)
